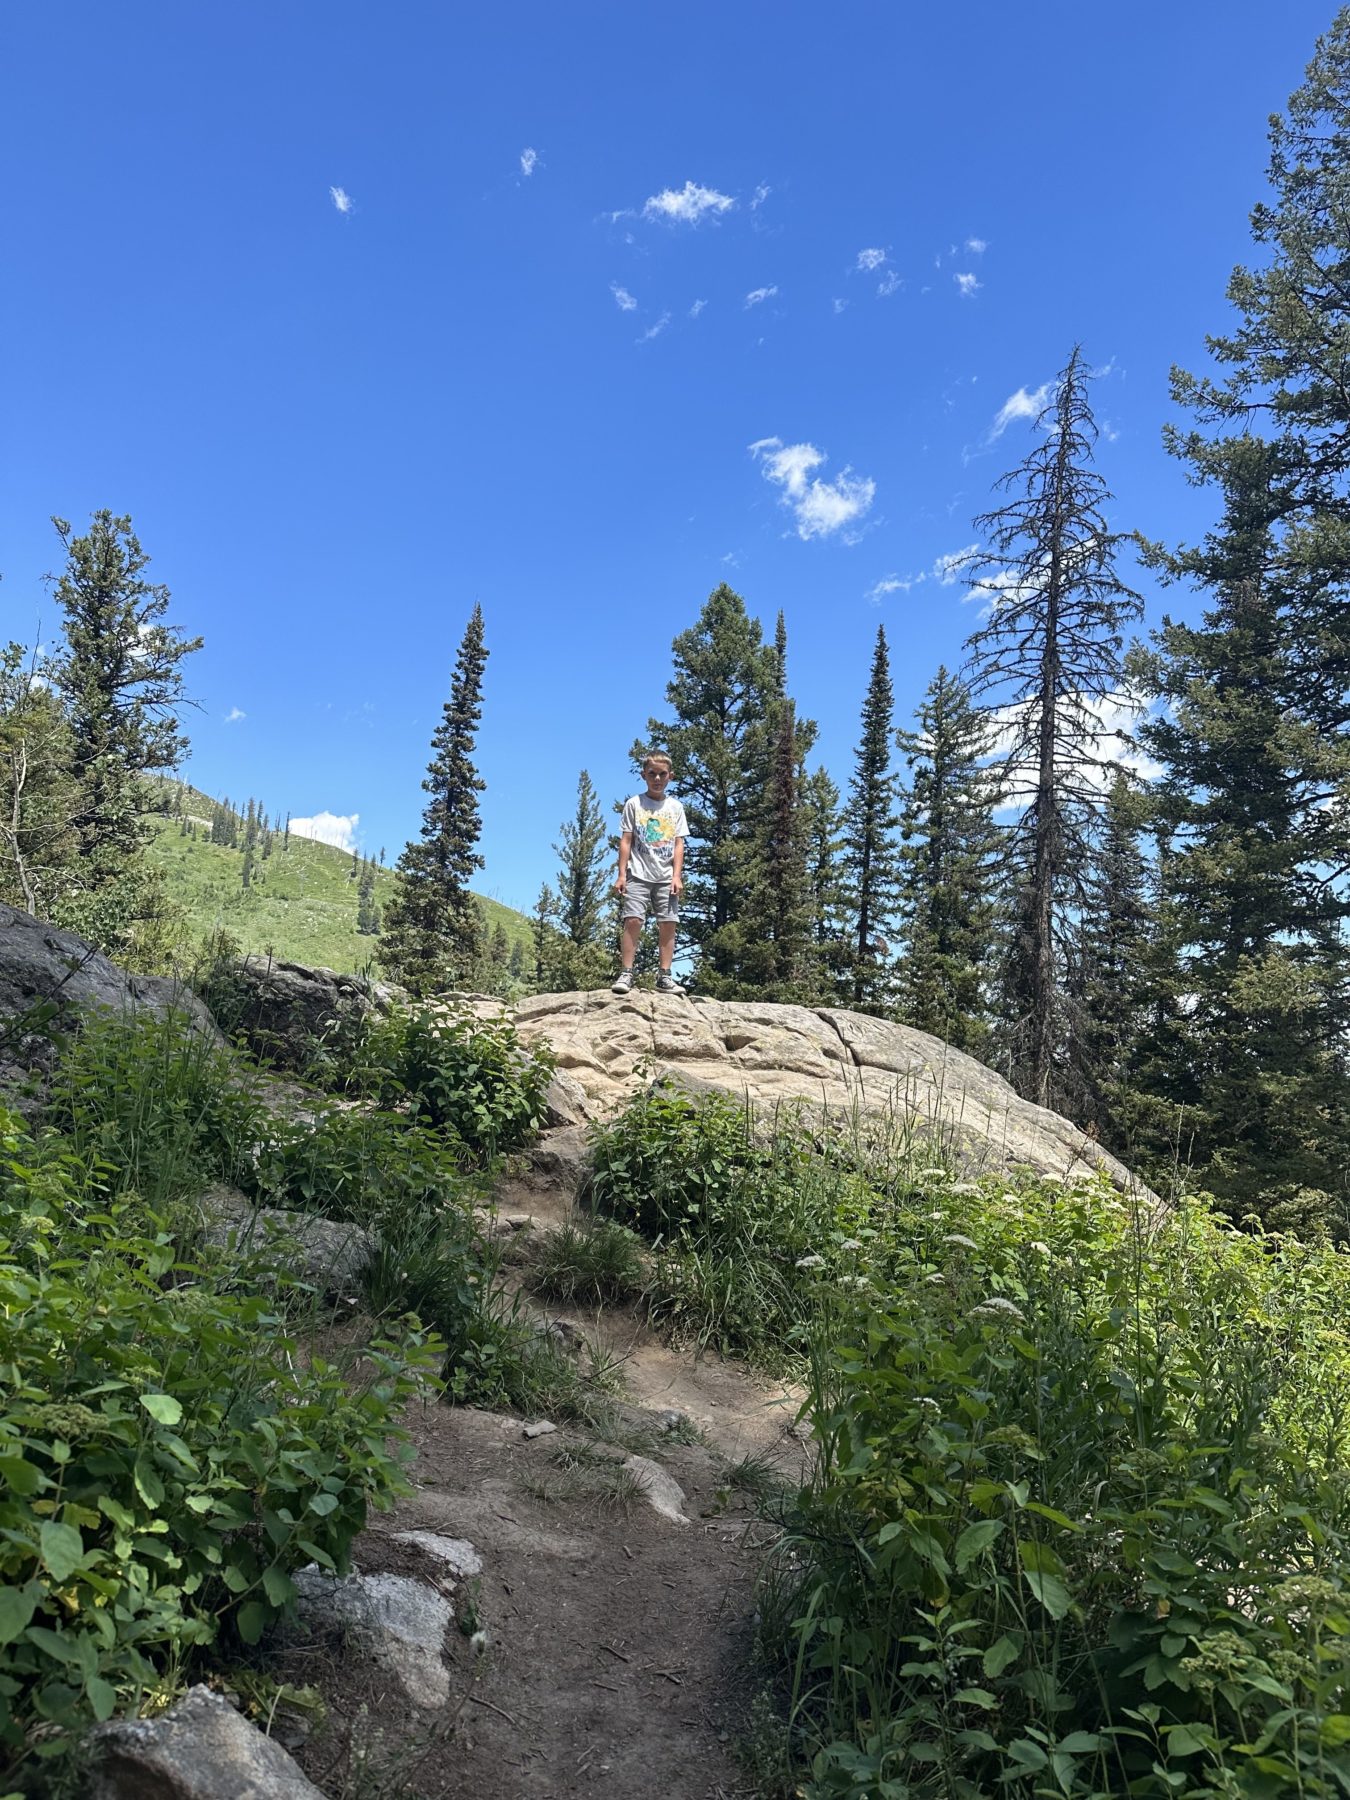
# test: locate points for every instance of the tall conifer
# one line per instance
(871, 856)
(432, 924)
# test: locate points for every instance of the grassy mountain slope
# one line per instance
(302, 904)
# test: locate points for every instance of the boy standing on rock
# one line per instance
(651, 871)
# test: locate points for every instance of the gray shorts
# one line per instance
(641, 898)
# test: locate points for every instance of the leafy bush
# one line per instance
(457, 1073)
(165, 1459)
(1080, 1522)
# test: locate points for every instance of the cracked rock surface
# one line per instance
(890, 1077)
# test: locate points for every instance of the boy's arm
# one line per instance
(625, 845)
(677, 868)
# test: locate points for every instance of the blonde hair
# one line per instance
(656, 756)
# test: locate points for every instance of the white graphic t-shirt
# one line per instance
(654, 825)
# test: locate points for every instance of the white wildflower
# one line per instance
(965, 1187)
(851, 1244)
(931, 1175)
(936, 1280)
(1040, 1248)
(996, 1307)
(1011, 1199)
(963, 1243)
(810, 1262)
(925, 1400)
(478, 1643)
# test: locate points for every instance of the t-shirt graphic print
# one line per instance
(654, 825)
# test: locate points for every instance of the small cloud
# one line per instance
(976, 246)
(1021, 405)
(839, 305)
(688, 205)
(967, 286)
(338, 829)
(732, 559)
(622, 298)
(761, 194)
(869, 260)
(234, 715)
(528, 159)
(889, 584)
(890, 283)
(757, 296)
(341, 199)
(948, 567)
(654, 331)
(697, 308)
(820, 508)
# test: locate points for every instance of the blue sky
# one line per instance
(367, 314)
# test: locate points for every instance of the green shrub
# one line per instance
(457, 1073)
(581, 1264)
(166, 1460)
(1080, 1522)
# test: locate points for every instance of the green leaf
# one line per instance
(323, 1504)
(20, 1477)
(278, 1586)
(1001, 1655)
(1182, 1741)
(975, 1539)
(102, 1697)
(61, 1548)
(1049, 1590)
(1079, 1743)
(163, 1407)
(250, 1620)
(17, 1606)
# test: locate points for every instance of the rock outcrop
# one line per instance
(50, 973)
(326, 1254)
(201, 1749)
(826, 1059)
(284, 1009)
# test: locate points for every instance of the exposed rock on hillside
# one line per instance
(285, 1008)
(826, 1058)
(44, 967)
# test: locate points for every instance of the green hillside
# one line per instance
(302, 901)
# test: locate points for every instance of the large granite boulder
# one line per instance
(287, 1011)
(201, 1749)
(52, 975)
(823, 1058)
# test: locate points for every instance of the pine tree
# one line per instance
(871, 858)
(825, 879)
(38, 844)
(720, 692)
(1047, 665)
(775, 942)
(367, 914)
(583, 853)
(121, 678)
(246, 868)
(544, 935)
(515, 967)
(948, 873)
(432, 924)
(1110, 983)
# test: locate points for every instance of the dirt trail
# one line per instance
(617, 1659)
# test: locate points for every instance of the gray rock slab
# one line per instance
(456, 1555)
(561, 1156)
(201, 1749)
(327, 1254)
(397, 1622)
(659, 1487)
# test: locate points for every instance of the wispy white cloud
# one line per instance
(839, 305)
(819, 508)
(654, 331)
(622, 298)
(1101, 744)
(889, 584)
(890, 283)
(976, 246)
(948, 567)
(945, 570)
(1024, 404)
(697, 308)
(967, 286)
(688, 205)
(757, 296)
(234, 715)
(760, 195)
(870, 259)
(329, 828)
(528, 159)
(341, 199)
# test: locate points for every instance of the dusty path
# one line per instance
(617, 1658)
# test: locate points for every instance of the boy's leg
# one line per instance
(666, 930)
(632, 931)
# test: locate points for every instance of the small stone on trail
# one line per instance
(399, 1623)
(673, 1420)
(457, 1554)
(540, 1429)
(660, 1490)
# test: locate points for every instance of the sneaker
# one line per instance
(667, 984)
(624, 984)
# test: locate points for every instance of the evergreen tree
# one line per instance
(584, 854)
(515, 967)
(544, 935)
(719, 693)
(775, 956)
(499, 948)
(246, 868)
(121, 678)
(825, 878)
(1110, 983)
(948, 868)
(432, 924)
(1047, 664)
(871, 859)
(367, 914)
(38, 844)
